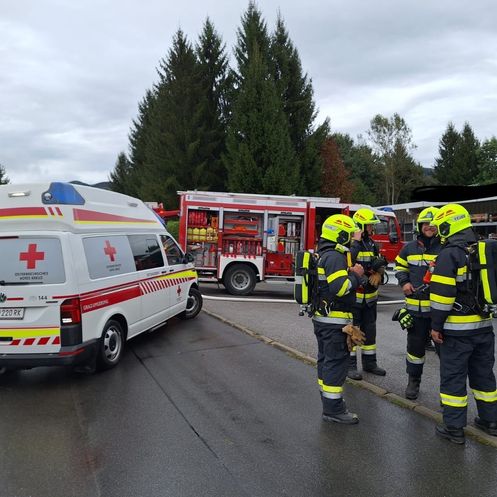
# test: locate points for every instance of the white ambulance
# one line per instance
(82, 270)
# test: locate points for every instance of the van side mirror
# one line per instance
(393, 238)
(188, 258)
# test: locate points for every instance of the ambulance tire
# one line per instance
(239, 279)
(194, 304)
(111, 345)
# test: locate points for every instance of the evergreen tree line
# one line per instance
(251, 128)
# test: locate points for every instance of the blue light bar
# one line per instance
(62, 193)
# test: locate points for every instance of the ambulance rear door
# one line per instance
(33, 283)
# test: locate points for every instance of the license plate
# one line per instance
(12, 313)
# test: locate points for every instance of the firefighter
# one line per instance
(365, 252)
(411, 265)
(462, 330)
(337, 280)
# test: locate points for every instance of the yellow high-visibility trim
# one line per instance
(484, 273)
(340, 314)
(453, 401)
(320, 270)
(446, 280)
(345, 287)
(441, 299)
(429, 257)
(415, 257)
(472, 318)
(330, 389)
(401, 268)
(485, 396)
(401, 261)
(336, 274)
(17, 333)
(367, 295)
(349, 259)
(368, 347)
(462, 270)
(422, 303)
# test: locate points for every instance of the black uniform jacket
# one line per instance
(411, 265)
(452, 298)
(336, 283)
(364, 252)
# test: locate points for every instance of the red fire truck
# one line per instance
(240, 239)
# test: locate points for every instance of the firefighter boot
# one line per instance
(345, 418)
(412, 390)
(373, 368)
(489, 427)
(352, 373)
(454, 435)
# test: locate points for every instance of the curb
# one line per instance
(391, 397)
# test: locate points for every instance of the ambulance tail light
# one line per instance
(70, 311)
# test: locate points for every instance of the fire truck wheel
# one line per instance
(111, 345)
(193, 304)
(239, 279)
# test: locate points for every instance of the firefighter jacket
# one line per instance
(336, 284)
(452, 298)
(364, 252)
(411, 265)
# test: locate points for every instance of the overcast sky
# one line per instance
(72, 73)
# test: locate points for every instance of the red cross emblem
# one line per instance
(178, 291)
(110, 251)
(31, 256)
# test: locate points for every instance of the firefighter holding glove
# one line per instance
(463, 331)
(411, 265)
(337, 282)
(365, 252)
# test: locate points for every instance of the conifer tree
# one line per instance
(260, 157)
(487, 159)
(296, 93)
(172, 159)
(447, 149)
(3, 177)
(215, 83)
(121, 176)
(466, 161)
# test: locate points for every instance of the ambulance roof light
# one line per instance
(62, 193)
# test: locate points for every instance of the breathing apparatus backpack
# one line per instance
(482, 265)
(306, 289)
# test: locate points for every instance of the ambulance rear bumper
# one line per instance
(67, 356)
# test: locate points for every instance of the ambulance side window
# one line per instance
(146, 251)
(174, 254)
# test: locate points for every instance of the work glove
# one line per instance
(354, 335)
(376, 277)
(404, 318)
(378, 263)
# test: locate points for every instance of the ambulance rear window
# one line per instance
(31, 260)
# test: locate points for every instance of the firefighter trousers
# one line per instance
(467, 357)
(417, 336)
(365, 317)
(332, 366)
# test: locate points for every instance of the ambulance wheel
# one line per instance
(193, 304)
(111, 346)
(239, 279)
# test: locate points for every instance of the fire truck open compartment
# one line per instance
(240, 239)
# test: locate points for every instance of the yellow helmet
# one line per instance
(365, 216)
(338, 228)
(451, 219)
(427, 215)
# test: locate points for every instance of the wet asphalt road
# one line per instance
(201, 409)
(282, 323)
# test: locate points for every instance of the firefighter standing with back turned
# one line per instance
(411, 265)
(464, 332)
(337, 280)
(365, 252)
